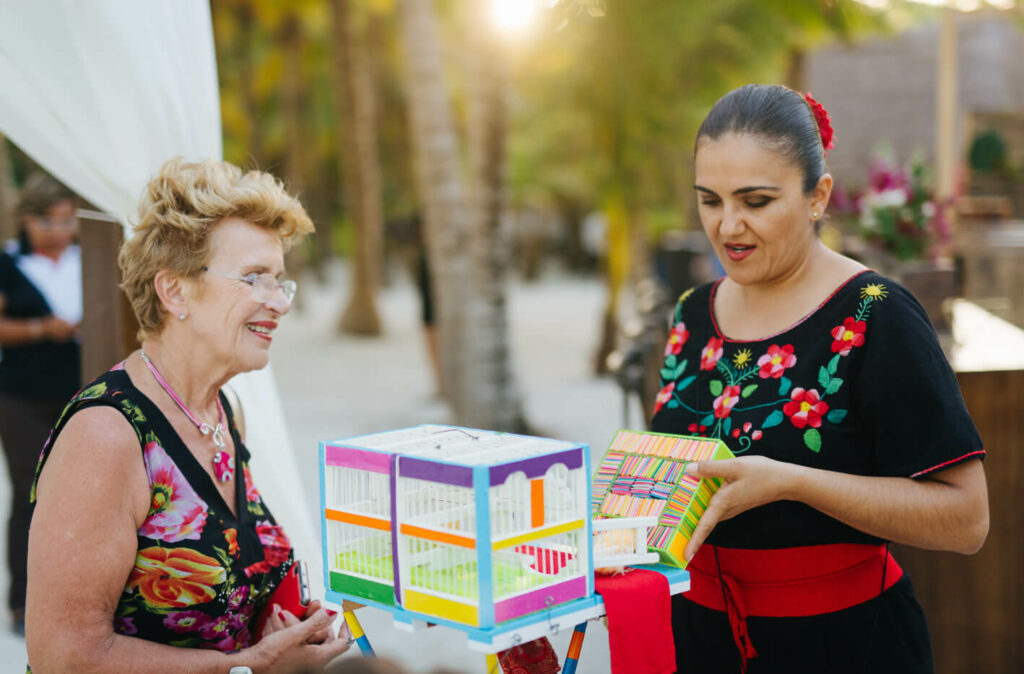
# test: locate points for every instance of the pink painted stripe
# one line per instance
(538, 599)
(357, 458)
(948, 463)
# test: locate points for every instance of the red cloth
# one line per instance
(787, 583)
(639, 610)
(533, 657)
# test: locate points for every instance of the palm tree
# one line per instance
(358, 148)
(460, 231)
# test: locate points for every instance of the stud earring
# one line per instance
(182, 317)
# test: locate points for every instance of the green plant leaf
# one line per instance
(716, 387)
(686, 382)
(812, 438)
(823, 376)
(836, 416)
(748, 390)
(833, 364)
(784, 384)
(774, 419)
(833, 386)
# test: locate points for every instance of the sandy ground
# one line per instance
(335, 386)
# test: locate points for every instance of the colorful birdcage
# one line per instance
(643, 475)
(456, 525)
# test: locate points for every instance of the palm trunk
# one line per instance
(471, 309)
(7, 194)
(291, 109)
(357, 106)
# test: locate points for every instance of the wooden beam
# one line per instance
(108, 323)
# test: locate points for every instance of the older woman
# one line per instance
(828, 382)
(151, 549)
(40, 307)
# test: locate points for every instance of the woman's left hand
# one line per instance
(747, 482)
(280, 619)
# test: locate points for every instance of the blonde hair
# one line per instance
(179, 210)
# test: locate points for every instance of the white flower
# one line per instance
(928, 210)
(894, 198)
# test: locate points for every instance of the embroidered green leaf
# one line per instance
(667, 374)
(672, 404)
(836, 416)
(686, 382)
(812, 438)
(748, 390)
(670, 360)
(774, 419)
(679, 369)
(716, 387)
(823, 376)
(708, 420)
(833, 364)
(784, 384)
(833, 386)
(727, 425)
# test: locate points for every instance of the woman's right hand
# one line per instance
(292, 645)
(57, 329)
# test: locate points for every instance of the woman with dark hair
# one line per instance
(828, 383)
(40, 308)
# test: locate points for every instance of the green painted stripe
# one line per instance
(360, 587)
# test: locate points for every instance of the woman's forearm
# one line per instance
(117, 653)
(18, 331)
(946, 512)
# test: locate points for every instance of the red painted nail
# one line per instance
(280, 614)
(330, 612)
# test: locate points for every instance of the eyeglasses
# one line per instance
(57, 223)
(263, 285)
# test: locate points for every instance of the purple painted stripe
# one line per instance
(538, 465)
(459, 476)
(394, 531)
(538, 599)
(362, 459)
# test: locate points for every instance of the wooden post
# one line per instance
(946, 111)
(108, 323)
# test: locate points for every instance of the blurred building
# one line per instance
(883, 90)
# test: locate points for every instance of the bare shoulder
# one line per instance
(97, 452)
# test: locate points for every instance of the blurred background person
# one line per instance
(40, 309)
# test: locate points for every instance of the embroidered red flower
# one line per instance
(805, 408)
(821, 116)
(676, 339)
(776, 361)
(664, 396)
(724, 403)
(848, 335)
(710, 354)
(276, 547)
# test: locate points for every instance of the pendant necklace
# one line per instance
(223, 463)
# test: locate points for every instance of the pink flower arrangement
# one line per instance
(176, 512)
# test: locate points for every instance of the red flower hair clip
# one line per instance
(824, 122)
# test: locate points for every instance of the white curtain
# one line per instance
(101, 93)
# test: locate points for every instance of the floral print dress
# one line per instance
(201, 573)
(858, 386)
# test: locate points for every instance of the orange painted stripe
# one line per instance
(360, 520)
(537, 503)
(439, 536)
(575, 646)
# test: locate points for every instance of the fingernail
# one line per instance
(280, 614)
(330, 612)
(691, 469)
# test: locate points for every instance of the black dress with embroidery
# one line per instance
(859, 386)
(202, 573)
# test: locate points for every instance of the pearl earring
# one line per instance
(182, 317)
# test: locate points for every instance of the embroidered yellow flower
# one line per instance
(874, 291)
(742, 359)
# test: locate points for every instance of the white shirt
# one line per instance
(58, 281)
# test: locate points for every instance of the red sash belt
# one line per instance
(787, 583)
